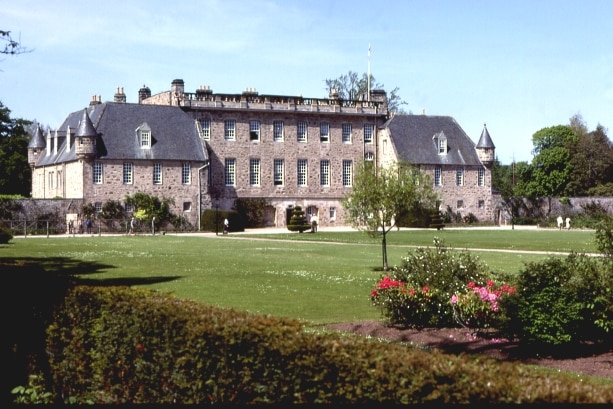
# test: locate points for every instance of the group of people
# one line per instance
(561, 223)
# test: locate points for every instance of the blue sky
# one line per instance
(518, 66)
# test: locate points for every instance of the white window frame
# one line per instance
(254, 172)
(128, 173)
(186, 173)
(346, 133)
(438, 176)
(302, 169)
(229, 129)
(145, 139)
(324, 132)
(369, 133)
(230, 171)
(347, 173)
(205, 126)
(459, 177)
(481, 177)
(302, 132)
(324, 172)
(254, 131)
(157, 173)
(278, 172)
(277, 131)
(98, 173)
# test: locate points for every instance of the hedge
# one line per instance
(124, 346)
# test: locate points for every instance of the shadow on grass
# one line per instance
(33, 287)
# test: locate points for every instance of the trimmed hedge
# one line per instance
(119, 345)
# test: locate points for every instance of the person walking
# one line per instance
(568, 223)
(226, 226)
(131, 226)
(560, 222)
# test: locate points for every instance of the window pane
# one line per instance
(205, 125)
(254, 172)
(302, 131)
(346, 133)
(324, 132)
(278, 172)
(127, 174)
(369, 130)
(230, 129)
(97, 173)
(277, 130)
(347, 173)
(186, 174)
(438, 180)
(324, 173)
(157, 173)
(230, 169)
(302, 172)
(254, 130)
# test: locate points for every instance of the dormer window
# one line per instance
(143, 133)
(440, 139)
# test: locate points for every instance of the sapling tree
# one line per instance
(379, 194)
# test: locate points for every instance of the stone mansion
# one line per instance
(204, 150)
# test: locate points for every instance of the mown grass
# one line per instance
(322, 278)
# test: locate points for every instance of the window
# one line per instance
(229, 127)
(230, 172)
(369, 130)
(157, 173)
(481, 204)
(481, 177)
(51, 175)
(254, 172)
(187, 206)
(186, 173)
(277, 130)
(302, 172)
(324, 132)
(324, 173)
(302, 131)
(97, 172)
(442, 146)
(128, 207)
(278, 172)
(346, 133)
(98, 207)
(254, 130)
(128, 176)
(438, 176)
(459, 177)
(347, 168)
(205, 128)
(59, 179)
(460, 204)
(333, 214)
(145, 139)
(369, 156)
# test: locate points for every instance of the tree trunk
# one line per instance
(384, 249)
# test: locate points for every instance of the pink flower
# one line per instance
(454, 299)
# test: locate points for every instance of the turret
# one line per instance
(485, 148)
(36, 146)
(85, 138)
(143, 94)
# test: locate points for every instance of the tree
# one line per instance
(379, 194)
(15, 174)
(591, 156)
(11, 47)
(549, 173)
(353, 86)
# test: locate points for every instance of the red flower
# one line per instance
(471, 285)
(425, 289)
(374, 293)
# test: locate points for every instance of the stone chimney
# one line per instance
(120, 97)
(143, 93)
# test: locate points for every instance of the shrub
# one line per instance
(298, 221)
(561, 301)
(443, 272)
(604, 236)
(478, 307)
(5, 236)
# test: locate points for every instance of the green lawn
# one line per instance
(326, 279)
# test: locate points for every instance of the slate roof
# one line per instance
(485, 141)
(412, 137)
(173, 134)
(37, 140)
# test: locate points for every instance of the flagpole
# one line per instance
(368, 72)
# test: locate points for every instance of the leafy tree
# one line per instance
(549, 173)
(591, 157)
(147, 207)
(15, 175)
(353, 86)
(381, 193)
